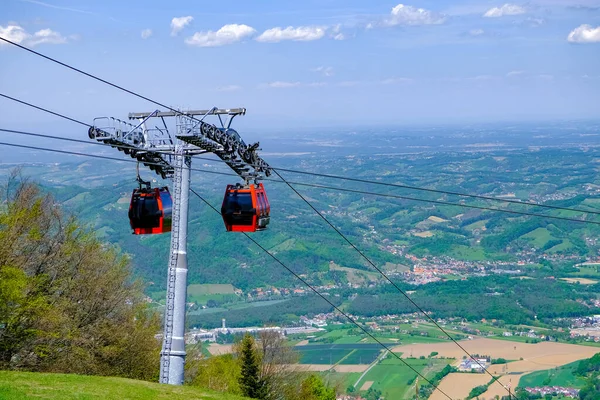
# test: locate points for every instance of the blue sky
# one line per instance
(328, 62)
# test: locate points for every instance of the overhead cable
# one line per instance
(368, 260)
(348, 317)
(447, 192)
(318, 186)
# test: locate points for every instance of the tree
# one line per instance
(269, 370)
(250, 380)
(212, 303)
(68, 302)
(313, 388)
(373, 394)
(278, 365)
(220, 373)
(591, 391)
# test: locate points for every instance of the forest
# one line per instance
(558, 177)
(513, 301)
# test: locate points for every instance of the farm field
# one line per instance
(354, 275)
(201, 293)
(502, 349)
(562, 376)
(211, 288)
(344, 336)
(341, 369)
(330, 354)
(359, 356)
(583, 281)
(389, 340)
(458, 385)
(516, 339)
(395, 379)
(531, 357)
(588, 270)
(340, 379)
(325, 356)
(262, 303)
(218, 349)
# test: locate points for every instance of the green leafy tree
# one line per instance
(373, 394)
(476, 391)
(220, 373)
(68, 302)
(591, 391)
(588, 365)
(313, 388)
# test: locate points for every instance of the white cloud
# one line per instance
(476, 32)
(178, 23)
(585, 34)
(326, 71)
(336, 33)
(17, 34)
(14, 33)
(301, 33)
(146, 33)
(229, 88)
(506, 9)
(484, 78)
(228, 34)
(46, 36)
(512, 74)
(288, 85)
(535, 22)
(282, 84)
(409, 15)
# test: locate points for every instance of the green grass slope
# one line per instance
(28, 385)
(561, 376)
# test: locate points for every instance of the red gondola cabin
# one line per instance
(245, 208)
(150, 211)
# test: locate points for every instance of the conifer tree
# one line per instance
(250, 381)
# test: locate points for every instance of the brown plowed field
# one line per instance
(539, 356)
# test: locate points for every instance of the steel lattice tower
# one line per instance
(170, 156)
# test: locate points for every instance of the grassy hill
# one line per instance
(559, 177)
(28, 385)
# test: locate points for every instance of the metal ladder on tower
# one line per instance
(170, 306)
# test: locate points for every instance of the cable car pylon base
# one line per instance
(172, 356)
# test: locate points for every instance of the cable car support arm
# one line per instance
(170, 157)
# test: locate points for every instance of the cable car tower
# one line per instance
(170, 156)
